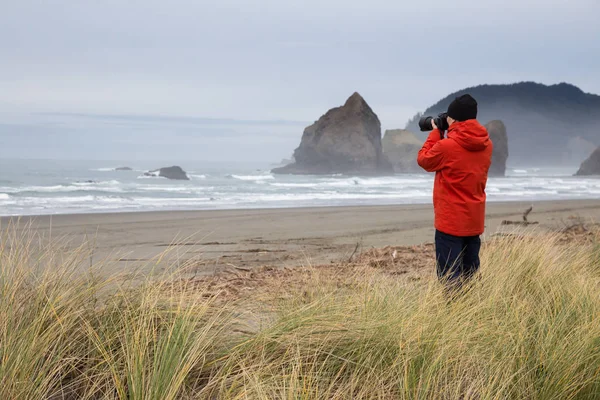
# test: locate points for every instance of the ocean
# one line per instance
(36, 187)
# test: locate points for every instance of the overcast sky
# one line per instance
(280, 60)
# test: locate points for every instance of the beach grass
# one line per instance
(527, 328)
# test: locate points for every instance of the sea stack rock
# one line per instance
(497, 132)
(174, 172)
(591, 166)
(401, 147)
(345, 140)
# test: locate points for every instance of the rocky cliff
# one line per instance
(401, 148)
(345, 140)
(591, 166)
(497, 132)
(543, 120)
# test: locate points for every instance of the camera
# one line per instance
(441, 122)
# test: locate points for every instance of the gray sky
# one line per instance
(273, 60)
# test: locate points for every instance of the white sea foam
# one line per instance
(104, 169)
(296, 185)
(340, 183)
(94, 183)
(252, 177)
(113, 169)
(395, 182)
(62, 189)
(4, 196)
(165, 189)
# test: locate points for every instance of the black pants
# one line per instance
(457, 257)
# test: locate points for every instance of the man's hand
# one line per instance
(435, 127)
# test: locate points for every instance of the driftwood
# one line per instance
(354, 252)
(526, 213)
(521, 223)
(525, 222)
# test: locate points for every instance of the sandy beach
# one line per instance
(271, 237)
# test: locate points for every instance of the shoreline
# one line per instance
(291, 208)
(216, 240)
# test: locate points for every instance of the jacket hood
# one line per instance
(470, 135)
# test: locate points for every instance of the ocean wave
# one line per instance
(340, 183)
(184, 189)
(356, 181)
(104, 169)
(114, 169)
(61, 189)
(251, 177)
(158, 189)
(4, 196)
(94, 183)
(75, 202)
(195, 176)
(395, 180)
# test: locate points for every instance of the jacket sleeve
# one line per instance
(431, 156)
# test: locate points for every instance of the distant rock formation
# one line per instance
(284, 162)
(591, 166)
(497, 132)
(345, 140)
(124, 169)
(401, 147)
(544, 118)
(174, 172)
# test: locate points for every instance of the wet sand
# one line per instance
(217, 240)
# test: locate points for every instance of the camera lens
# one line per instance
(425, 124)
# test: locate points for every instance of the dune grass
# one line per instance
(68, 333)
(527, 328)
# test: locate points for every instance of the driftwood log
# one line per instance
(525, 222)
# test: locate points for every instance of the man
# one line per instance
(461, 162)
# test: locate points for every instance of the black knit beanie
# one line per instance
(463, 108)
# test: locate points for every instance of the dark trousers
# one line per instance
(457, 257)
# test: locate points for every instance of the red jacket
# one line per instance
(461, 163)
